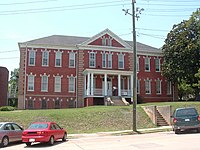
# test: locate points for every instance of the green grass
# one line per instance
(90, 119)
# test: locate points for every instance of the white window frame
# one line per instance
(147, 64)
(147, 86)
(71, 84)
(109, 41)
(104, 41)
(58, 57)
(138, 86)
(31, 80)
(72, 57)
(157, 64)
(110, 60)
(44, 83)
(169, 87)
(45, 58)
(104, 60)
(57, 84)
(120, 61)
(92, 59)
(158, 86)
(31, 56)
(138, 63)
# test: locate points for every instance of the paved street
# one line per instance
(152, 141)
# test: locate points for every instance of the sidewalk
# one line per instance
(139, 131)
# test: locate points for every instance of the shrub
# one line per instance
(7, 108)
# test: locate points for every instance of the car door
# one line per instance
(17, 132)
(59, 131)
(9, 131)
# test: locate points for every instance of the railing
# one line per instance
(101, 92)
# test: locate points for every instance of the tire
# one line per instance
(64, 137)
(177, 131)
(28, 144)
(51, 140)
(5, 141)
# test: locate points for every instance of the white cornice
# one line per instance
(111, 72)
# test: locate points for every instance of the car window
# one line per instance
(8, 127)
(52, 127)
(57, 127)
(16, 127)
(186, 112)
(38, 126)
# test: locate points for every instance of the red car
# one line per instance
(43, 132)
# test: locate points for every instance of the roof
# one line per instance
(61, 40)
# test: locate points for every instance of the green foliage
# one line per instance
(13, 83)
(7, 108)
(197, 75)
(184, 90)
(182, 51)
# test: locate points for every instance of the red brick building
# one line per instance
(4, 73)
(68, 71)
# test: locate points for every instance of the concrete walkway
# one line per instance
(147, 130)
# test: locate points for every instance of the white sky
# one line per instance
(24, 20)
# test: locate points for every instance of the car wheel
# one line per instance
(177, 131)
(51, 141)
(28, 144)
(5, 141)
(64, 137)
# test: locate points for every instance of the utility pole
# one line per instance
(134, 69)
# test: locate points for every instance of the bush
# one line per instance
(7, 108)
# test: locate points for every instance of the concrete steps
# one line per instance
(160, 120)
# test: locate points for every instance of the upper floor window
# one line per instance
(148, 86)
(58, 61)
(104, 60)
(92, 59)
(158, 86)
(45, 58)
(71, 84)
(106, 41)
(109, 60)
(121, 61)
(138, 64)
(44, 83)
(71, 60)
(147, 64)
(169, 89)
(31, 58)
(31, 79)
(57, 84)
(157, 63)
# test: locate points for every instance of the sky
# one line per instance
(24, 20)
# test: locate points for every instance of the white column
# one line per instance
(92, 83)
(88, 84)
(131, 86)
(128, 85)
(105, 85)
(119, 85)
(85, 88)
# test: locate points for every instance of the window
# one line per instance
(71, 84)
(57, 103)
(71, 60)
(104, 41)
(138, 86)
(44, 104)
(58, 59)
(109, 41)
(169, 89)
(121, 61)
(31, 82)
(158, 87)
(147, 64)
(30, 104)
(147, 86)
(157, 62)
(104, 60)
(45, 58)
(92, 60)
(57, 86)
(44, 83)
(31, 58)
(138, 64)
(109, 60)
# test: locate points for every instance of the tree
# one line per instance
(182, 52)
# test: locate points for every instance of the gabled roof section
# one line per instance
(97, 40)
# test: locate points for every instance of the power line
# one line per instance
(9, 51)
(9, 58)
(30, 2)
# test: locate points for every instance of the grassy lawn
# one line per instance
(90, 119)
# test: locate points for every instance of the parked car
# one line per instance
(185, 119)
(10, 132)
(46, 132)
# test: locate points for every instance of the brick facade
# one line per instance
(93, 80)
(3, 86)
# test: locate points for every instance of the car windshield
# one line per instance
(38, 126)
(186, 112)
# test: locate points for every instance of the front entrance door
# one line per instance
(109, 86)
